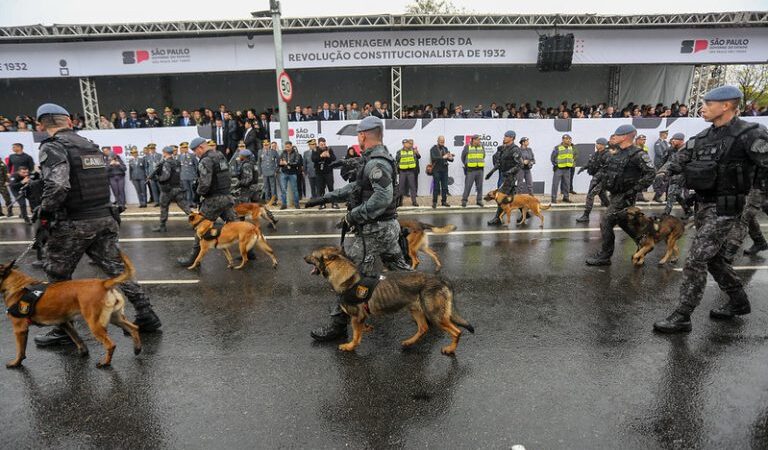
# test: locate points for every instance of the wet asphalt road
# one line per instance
(563, 357)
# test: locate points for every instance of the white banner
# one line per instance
(544, 135)
(381, 48)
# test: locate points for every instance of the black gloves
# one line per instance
(488, 177)
(315, 202)
(346, 222)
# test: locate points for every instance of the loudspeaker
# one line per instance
(555, 52)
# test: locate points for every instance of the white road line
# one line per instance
(680, 269)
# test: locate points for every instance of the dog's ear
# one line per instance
(7, 269)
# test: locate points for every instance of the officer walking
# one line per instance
(247, 181)
(722, 164)
(372, 214)
(509, 164)
(677, 192)
(151, 160)
(322, 158)
(76, 211)
(596, 168)
(188, 163)
(213, 187)
(168, 176)
(473, 158)
(755, 201)
(407, 162)
(660, 156)
(138, 176)
(563, 160)
(628, 172)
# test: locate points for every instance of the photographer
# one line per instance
(19, 186)
(439, 159)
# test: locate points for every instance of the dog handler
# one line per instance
(510, 162)
(372, 213)
(76, 211)
(169, 179)
(722, 164)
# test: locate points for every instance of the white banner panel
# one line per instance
(382, 48)
(543, 135)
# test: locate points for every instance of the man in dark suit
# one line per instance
(491, 113)
(326, 113)
(263, 127)
(186, 120)
(250, 139)
(122, 120)
(233, 132)
(220, 136)
(296, 115)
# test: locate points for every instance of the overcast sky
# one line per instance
(26, 12)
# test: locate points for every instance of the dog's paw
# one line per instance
(348, 347)
(191, 267)
(448, 350)
(367, 328)
(136, 350)
(102, 365)
(13, 365)
(83, 352)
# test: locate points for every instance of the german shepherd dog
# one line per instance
(246, 234)
(428, 298)
(417, 240)
(98, 301)
(256, 211)
(525, 202)
(648, 231)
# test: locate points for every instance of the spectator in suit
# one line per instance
(341, 113)
(310, 115)
(152, 121)
(326, 113)
(138, 175)
(385, 112)
(122, 120)
(116, 174)
(220, 136)
(221, 111)
(378, 111)
(296, 115)
(268, 165)
(233, 132)
(186, 120)
(492, 113)
(263, 126)
(250, 139)
(322, 158)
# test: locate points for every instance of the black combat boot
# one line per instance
(187, 261)
(337, 329)
(57, 336)
(496, 221)
(738, 305)
(756, 248)
(1, 212)
(584, 218)
(147, 320)
(657, 198)
(10, 211)
(160, 228)
(677, 322)
(599, 259)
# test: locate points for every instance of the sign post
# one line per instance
(274, 8)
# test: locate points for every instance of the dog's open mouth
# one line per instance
(314, 271)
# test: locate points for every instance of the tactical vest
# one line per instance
(88, 195)
(507, 157)
(720, 171)
(564, 157)
(245, 167)
(475, 157)
(620, 176)
(220, 184)
(407, 160)
(175, 178)
(366, 188)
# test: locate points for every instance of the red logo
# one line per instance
(291, 132)
(693, 46)
(135, 57)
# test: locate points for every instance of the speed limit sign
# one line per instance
(285, 87)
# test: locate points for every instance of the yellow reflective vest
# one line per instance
(564, 157)
(475, 156)
(407, 160)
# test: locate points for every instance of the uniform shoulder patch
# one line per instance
(760, 146)
(376, 173)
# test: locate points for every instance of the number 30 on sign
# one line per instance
(285, 87)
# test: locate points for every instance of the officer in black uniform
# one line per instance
(508, 163)
(721, 164)
(168, 176)
(213, 186)
(76, 211)
(628, 172)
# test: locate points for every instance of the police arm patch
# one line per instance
(760, 146)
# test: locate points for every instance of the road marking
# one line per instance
(680, 269)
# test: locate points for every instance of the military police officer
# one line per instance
(169, 178)
(722, 164)
(76, 211)
(151, 160)
(628, 172)
(676, 190)
(596, 167)
(188, 163)
(247, 181)
(372, 214)
(138, 176)
(755, 201)
(213, 186)
(508, 163)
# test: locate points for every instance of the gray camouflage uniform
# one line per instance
(216, 205)
(170, 188)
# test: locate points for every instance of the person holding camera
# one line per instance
(440, 157)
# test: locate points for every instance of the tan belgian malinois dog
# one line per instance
(245, 234)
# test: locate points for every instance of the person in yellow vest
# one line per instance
(641, 142)
(407, 163)
(473, 158)
(563, 161)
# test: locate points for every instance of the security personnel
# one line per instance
(407, 162)
(4, 179)
(755, 201)
(247, 181)
(213, 187)
(640, 142)
(676, 190)
(188, 163)
(628, 172)
(151, 160)
(473, 158)
(138, 175)
(660, 156)
(76, 211)
(596, 167)
(169, 179)
(563, 160)
(722, 164)
(372, 214)
(509, 163)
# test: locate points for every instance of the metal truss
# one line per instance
(704, 79)
(397, 92)
(90, 103)
(614, 80)
(384, 21)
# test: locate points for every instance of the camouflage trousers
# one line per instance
(595, 188)
(97, 238)
(676, 194)
(177, 195)
(5, 194)
(216, 206)
(617, 204)
(378, 239)
(708, 254)
(747, 224)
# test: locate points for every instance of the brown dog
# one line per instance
(427, 297)
(525, 201)
(417, 240)
(256, 211)
(648, 231)
(246, 234)
(97, 301)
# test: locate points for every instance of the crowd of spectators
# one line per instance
(149, 117)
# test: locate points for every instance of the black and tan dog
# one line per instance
(417, 240)
(648, 231)
(256, 211)
(525, 202)
(246, 234)
(428, 298)
(98, 301)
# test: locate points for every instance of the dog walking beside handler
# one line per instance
(628, 172)
(169, 178)
(509, 164)
(723, 164)
(213, 186)
(76, 210)
(372, 214)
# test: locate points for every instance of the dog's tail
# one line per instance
(272, 201)
(545, 207)
(438, 230)
(458, 320)
(127, 274)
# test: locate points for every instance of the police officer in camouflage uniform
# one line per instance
(188, 162)
(4, 179)
(508, 163)
(213, 186)
(596, 167)
(168, 176)
(372, 213)
(76, 211)
(151, 160)
(627, 173)
(723, 164)
(676, 190)
(247, 181)
(755, 200)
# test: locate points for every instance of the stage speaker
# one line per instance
(555, 52)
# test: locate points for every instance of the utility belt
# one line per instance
(95, 213)
(725, 205)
